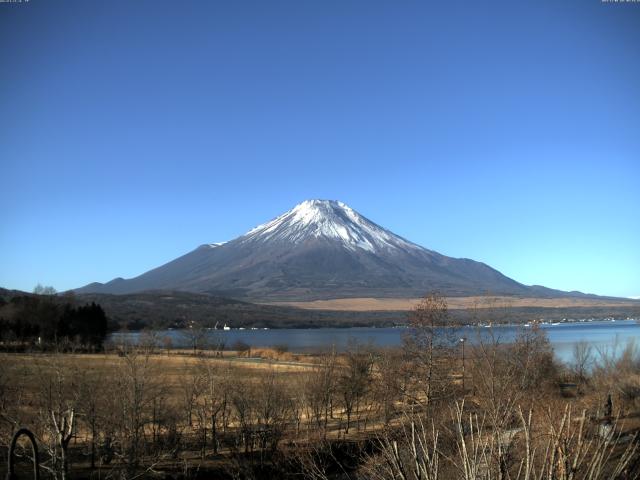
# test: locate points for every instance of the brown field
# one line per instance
(455, 303)
(158, 413)
(169, 370)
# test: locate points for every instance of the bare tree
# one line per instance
(216, 394)
(135, 395)
(149, 341)
(582, 359)
(390, 381)
(562, 449)
(12, 395)
(507, 375)
(167, 343)
(59, 399)
(191, 386)
(297, 396)
(272, 407)
(63, 429)
(92, 389)
(429, 339)
(196, 335)
(242, 399)
(44, 290)
(320, 390)
(354, 379)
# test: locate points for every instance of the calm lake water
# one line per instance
(603, 335)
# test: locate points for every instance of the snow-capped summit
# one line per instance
(319, 249)
(330, 220)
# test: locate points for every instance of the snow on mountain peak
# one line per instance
(328, 219)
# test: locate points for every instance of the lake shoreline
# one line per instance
(603, 334)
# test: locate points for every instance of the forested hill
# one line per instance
(158, 309)
(50, 321)
(175, 309)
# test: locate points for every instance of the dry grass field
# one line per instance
(163, 413)
(456, 303)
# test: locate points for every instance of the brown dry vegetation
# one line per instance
(454, 303)
(507, 412)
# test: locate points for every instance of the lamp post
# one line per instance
(462, 341)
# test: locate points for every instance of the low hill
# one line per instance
(165, 309)
(159, 309)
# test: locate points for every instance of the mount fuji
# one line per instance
(320, 249)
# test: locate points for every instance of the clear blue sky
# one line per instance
(132, 132)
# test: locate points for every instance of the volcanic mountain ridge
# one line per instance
(321, 249)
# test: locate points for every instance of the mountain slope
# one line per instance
(320, 249)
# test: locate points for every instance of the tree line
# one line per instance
(50, 321)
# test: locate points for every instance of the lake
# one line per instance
(604, 335)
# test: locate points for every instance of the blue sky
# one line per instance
(506, 132)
